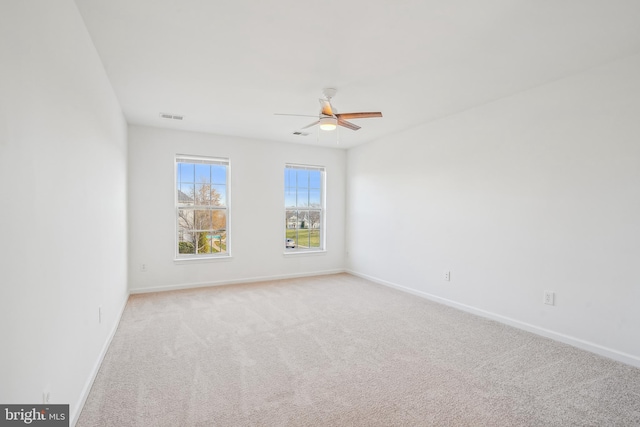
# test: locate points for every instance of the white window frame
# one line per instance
(182, 158)
(321, 209)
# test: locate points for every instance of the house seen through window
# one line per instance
(202, 207)
(304, 208)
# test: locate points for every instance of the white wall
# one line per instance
(257, 209)
(538, 191)
(63, 196)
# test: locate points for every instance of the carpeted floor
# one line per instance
(341, 351)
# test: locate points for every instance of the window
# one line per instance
(304, 208)
(202, 207)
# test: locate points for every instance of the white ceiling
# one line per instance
(228, 66)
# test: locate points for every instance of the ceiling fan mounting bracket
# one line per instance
(329, 92)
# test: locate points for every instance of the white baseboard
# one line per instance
(232, 282)
(96, 367)
(629, 359)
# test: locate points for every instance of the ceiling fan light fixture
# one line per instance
(328, 123)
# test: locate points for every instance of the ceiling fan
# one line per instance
(329, 118)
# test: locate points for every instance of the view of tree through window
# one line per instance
(303, 195)
(201, 206)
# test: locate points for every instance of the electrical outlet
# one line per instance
(143, 268)
(549, 298)
(447, 276)
(46, 397)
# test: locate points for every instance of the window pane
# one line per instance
(203, 173)
(185, 220)
(203, 220)
(186, 237)
(202, 243)
(202, 194)
(185, 193)
(303, 179)
(185, 245)
(291, 239)
(291, 229)
(314, 238)
(303, 238)
(185, 172)
(314, 179)
(314, 219)
(219, 221)
(302, 198)
(218, 242)
(290, 198)
(218, 174)
(219, 195)
(289, 177)
(303, 219)
(291, 219)
(314, 198)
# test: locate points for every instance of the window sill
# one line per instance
(202, 259)
(305, 252)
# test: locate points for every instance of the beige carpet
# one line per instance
(341, 351)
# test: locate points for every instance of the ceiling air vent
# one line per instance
(171, 116)
(301, 133)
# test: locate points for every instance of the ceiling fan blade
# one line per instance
(347, 124)
(297, 115)
(312, 124)
(326, 107)
(358, 115)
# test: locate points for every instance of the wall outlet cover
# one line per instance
(549, 298)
